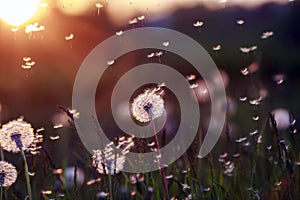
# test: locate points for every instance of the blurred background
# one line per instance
(255, 44)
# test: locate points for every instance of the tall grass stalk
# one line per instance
(161, 167)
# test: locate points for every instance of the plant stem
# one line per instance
(162, 171)
(110, 187)
(1, 192)
(26, 174)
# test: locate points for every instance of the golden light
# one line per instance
(17, 12)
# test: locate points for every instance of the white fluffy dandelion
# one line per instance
(111, 159)
(8, 174)
(16, 134)
(148, 105)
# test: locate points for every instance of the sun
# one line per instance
(17, 12)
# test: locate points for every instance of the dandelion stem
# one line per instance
(162, 171)
(1, 192)
(110, 187)
(26, 174)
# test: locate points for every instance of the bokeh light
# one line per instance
(17, 12)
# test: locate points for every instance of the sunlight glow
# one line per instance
(17, 12)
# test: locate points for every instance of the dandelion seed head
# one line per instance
(8, 174)
(14, 132)
(148, 105)
(111, 159)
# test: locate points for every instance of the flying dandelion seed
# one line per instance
(8, 174)
(224, 155)
(217, 47)
(26, 66)
(30, 63)
(140, 18)
(236, 155)
(148, 106)
(166, 43)
(151, 144)
(54, 137)
(253, 48)
(151, 55)
(69, 37)
(35, 27)
(266, 35)
(58, 126)
(245, 49)
(91, 182)
(46, 192)
(159, 53)
(229, 167)
(198, 24)
(14, 29)
(16, 134)
(245, 71)
(110, 62)
(98, 6)
(201, 91)
(40, 130)
(253, 132)
(191, 77)
(35, 146)
(239, 140)
(240, 22)
(254, 102)
(119, 33)
(194, 85)
(133, 21)
(31, 173)
(26, 59)
(243, 99)
(279, 79)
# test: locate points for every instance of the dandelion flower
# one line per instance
(148, 105)
(108, 162)
(111, 159)
(8, 174)
(16, 134)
